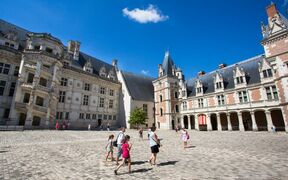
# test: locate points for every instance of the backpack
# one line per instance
(188, 137)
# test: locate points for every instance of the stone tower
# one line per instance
(275, 43)
(169, 88)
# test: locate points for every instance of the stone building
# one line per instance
(42, 81)
(249, 95)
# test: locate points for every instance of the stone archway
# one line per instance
(192, 121)
(278, 120)
(223, 121)
(213, 119)
(185, 119)
(261, 121)
(247, 121)
(234, 121)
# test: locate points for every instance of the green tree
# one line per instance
(137, 117)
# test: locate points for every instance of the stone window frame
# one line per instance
(200, 102)
(111, 104)
(243, 96)
(87, 87)
(5, 68)
(85, 101)
(62, 95)
(102, 90)
(271, 93)
(221, 100)
(101, 102)
(63, 81)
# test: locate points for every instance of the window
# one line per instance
(2, 87)
(99, 116)
(243, 98)
(161, 112)
(16, 71)
(62, 96)
(43, 82)
(200, 103)
(114, 117)
(199, 90)
(218, 85)
(221, 99)
(39, 101)
(4, 68)
(37, 47)
(49, 50)
(26, 98)
(145, 109)
(101, 102)
(87, 87)
(176, 95)
(67, 115)
(183, 93)
(185, 105)
(59, 115)
(63, 82)
(1, 67)
(267, 73)
(81, 116)
(30, 78)
(6, 113)
(105, 117)
(102, 90)
(161, 99)
(110, 104)
(36, 121)
(271, 93)
(12, 89)
(177, 108)
(111, 92)
(85, 100)
(65, 63)
(87, 116)
(240, 80)
(110, 117)
(94, 116)
(7, 43)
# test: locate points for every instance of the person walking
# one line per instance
(108, 126)
(126, 148)
(109, 147)
(120, 139)
(57, 125)
(154, 145)
(141, 133)
(89, 127)
(184, 137)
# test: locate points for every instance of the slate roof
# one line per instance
(97, 64)
(139, 87)
(250, 67)
(167, 64)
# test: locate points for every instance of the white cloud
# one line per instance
(145, 72)
(151, 14)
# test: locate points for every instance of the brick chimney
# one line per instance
(201, 73)
(271, 10)
(223, 65)
(74, 49)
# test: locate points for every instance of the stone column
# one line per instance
(219, 127)
(196, 122)
(254, 125)
(209, 125)
(241, 126)
(269, 120)
(189, 122)
(182, 121)
(229, 122)
(28, 121)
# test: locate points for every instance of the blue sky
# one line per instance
(199, 34)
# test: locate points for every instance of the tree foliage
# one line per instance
(137, 117)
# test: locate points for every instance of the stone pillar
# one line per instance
(196, 122)
(269, 120)
(254, 125)
(229, 122)
(182, 121)
(209, 125)
(189, 122)
(241, 126)
(28, 121)
(219, 127)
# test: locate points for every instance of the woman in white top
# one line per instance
(154, 145)
(184, 137)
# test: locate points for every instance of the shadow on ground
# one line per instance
(167, 163)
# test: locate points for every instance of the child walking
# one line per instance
(125, 154)
(109, 147)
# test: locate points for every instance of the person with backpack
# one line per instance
(119, 141)
(184, 136)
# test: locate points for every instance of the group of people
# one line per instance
(124, 147)
(64, 125)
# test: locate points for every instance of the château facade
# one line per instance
(249, 95)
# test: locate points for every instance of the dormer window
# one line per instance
(49, 50)
(267, 73)
(218, 82)
(102, 72)
(239, 76)
(219, 85)
(199, 87)
(199, 90)
(37, 47)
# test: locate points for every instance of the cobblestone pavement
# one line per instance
(80, 155)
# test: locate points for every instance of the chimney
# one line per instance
(271, 10)
(74, 49)
(115, 63)
(223, 65)
(201, 73)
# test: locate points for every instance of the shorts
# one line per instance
(154, 149)
(119, 148)
(109, 150)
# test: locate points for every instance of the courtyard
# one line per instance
(80, 155)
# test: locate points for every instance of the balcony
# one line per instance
(30, 66)
(27, 86)
(21, 105)
(43, 89)
(41, 109)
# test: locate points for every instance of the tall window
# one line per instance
(243, 98)
(94, 116)
(177, 108)
(85, 100)
(161, 98)
(145, 109)
(62, 96)
(12, 89)
(240, 79)
(67, 115)
(4, 68)
(2, 87)
(102, 90)
(161, 112)
(30, 78)
(26, 98)
(267, 73)
(111, 104)
(271, 92)
(59, 115)
(176, 95)
(81, 116)
(184, 105)
(87, 116)
(87, 87)
(111, 92)
(101, 102)
(16, 71)
(43, 82)
(63, 82)
(199, 90)
(39, 101)
(221, 99)
(200, 103)
(218, 85)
